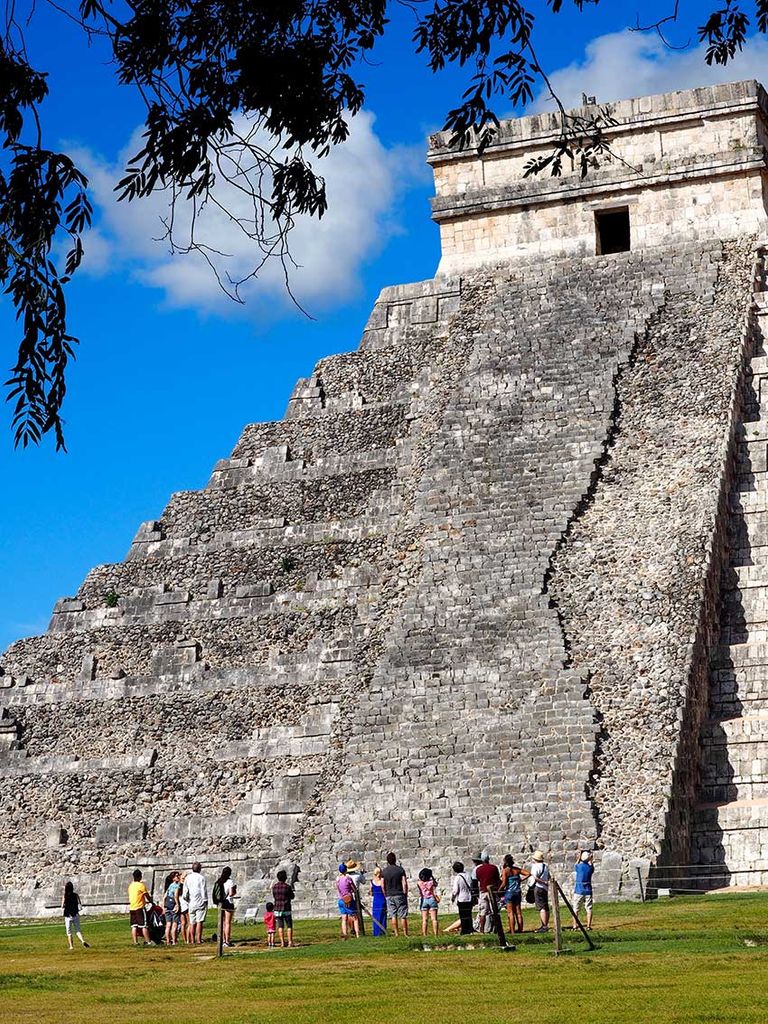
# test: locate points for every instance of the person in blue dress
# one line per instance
(378, 903)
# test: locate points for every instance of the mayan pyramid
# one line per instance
(497, 579)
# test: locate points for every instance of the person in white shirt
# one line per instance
(196, 894)
(540, 881)
(461, 895)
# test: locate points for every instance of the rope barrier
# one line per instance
(688, 878)
(677, 888)
(733, 871)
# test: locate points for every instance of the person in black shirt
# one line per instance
(70, 904)
(396, 893)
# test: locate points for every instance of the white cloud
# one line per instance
(363, 179)
(627, 64)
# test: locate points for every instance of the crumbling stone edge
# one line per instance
(684, 777)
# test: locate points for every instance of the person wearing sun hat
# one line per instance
(540, 880)
(355, 871)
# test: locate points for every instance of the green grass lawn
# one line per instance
(687, 959)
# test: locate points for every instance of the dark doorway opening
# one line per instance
(612, 229)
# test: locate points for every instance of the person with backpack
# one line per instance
(70, 904)
(172, 908)
(224, 891)
(540, 885)
(512, 891)
(282, 894)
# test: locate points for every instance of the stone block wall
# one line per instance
(414, 614)
(684, 165)
(496, 720)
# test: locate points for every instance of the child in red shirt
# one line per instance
(270, 924)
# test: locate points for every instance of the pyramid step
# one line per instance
(128, 649)
(734, 706)
(755, 430)
(375, 425)
(746, 576)
(216, 572)
(193, 513)
(746, 728)
(739, 655)
(258, 473)
(247, 601)
(751, 479)
(272, 533)
(737, 791)
(328, 665)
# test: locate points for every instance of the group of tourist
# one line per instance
(470, 891)
(181, 913)
(180, 916)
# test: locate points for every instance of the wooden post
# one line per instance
(498, 924)
(554, 887)
(359, 906)
(220, 937)
(581, 927)
(374, 919)
(640, 883)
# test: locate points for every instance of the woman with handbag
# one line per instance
(345, 888)
(511, 891)
(429, 900)
(540, 887)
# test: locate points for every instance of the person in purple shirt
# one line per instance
(347, 903)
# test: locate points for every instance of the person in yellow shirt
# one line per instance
(138, 898)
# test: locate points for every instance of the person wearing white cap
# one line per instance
(582, 890)
(540, 880)
(488, 877)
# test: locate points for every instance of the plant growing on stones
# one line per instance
(111, 598)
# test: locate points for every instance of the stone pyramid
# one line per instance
(468, 592)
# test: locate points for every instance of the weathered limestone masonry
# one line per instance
(731, 816)
(466, 592)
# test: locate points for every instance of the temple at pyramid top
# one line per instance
(681, 165)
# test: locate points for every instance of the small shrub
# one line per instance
(111, 598)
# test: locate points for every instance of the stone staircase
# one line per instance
(346, 642)
(730, 838)
(192, 698)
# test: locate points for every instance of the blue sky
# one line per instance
(168, 374)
